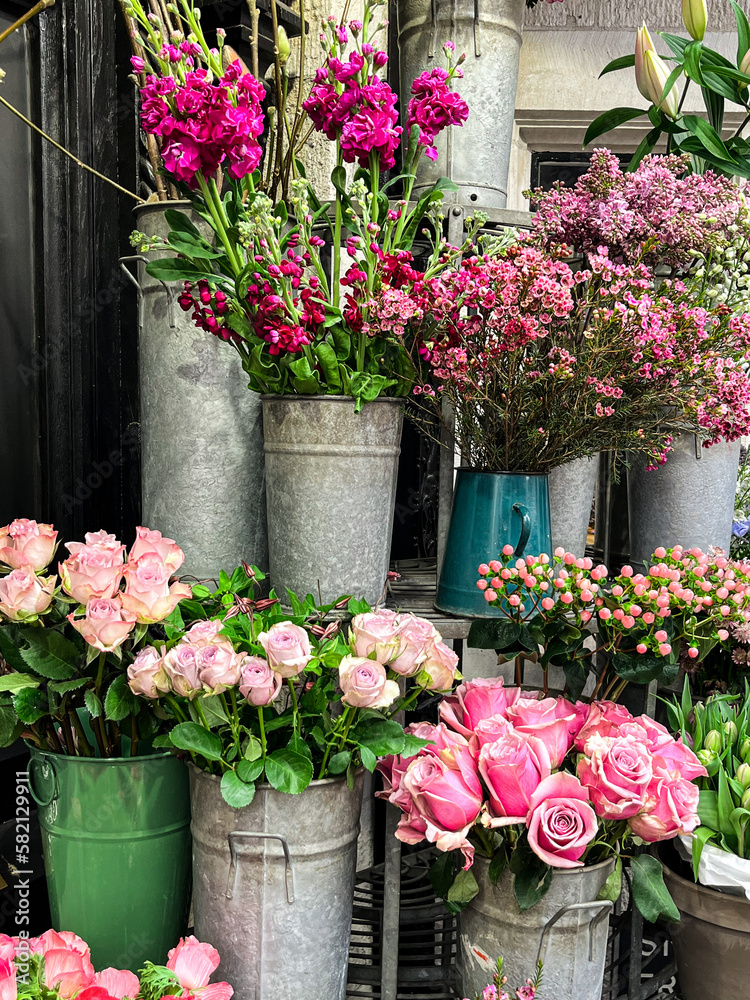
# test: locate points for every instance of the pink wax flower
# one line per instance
(106, 625)
(24, 595)
(561, 821)
(26, 544)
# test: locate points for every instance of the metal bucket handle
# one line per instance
(519, 508)
(134, 281)
(604, 906)
(288, 862)
(48, 762)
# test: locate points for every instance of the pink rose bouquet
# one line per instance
(538, 784)
(257, 694)
(71, 645)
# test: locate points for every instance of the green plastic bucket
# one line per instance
(117, 852)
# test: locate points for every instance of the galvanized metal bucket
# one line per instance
(274, 886)
(571, 494)
(116, 841)
(477, 155)
(687, 501)
(567, 929)
(201, 435)
(331, 489)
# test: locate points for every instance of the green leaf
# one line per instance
(340, 761)
(497, 866)
(119, 701)
(369, 760)
(676, 44)
(491, 633)
(463, 890)
(197, 739)
(174, 623)
(441, 874)
(249, 770)
(412, 746)
(650, 894)
(531, 883)
(62, 687)
(9, 726)
(50, 654)
(173, 269)
(193, 247)
(610, 120)
(180, 223)
(743, 31)
(17, 682)
(645, 668)
(236, 792)
(30, 705)
(11, 642)
(613, 886)
(164, 742)
(575, 679)
(708, 136)
(381, 736)
(725, 804)
(622, 62)
(708, 809)
(299, 746)
(329, 364)
(692, 62)
(93, 703)
(288, 771)
(701, 836)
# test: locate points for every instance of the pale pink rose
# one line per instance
(287, 647)
(119, 983)
(617, 770)
(147, 591)
(107, 623)
(25, 595)
(364, 683)
(376, 632)
(416, 638)
(561, 822)
(512, 768)
(603, 718)
(202, 631)
(669, 754)
(393, 767)
(447, 795)
(100, 539)
(671, 808)
(476, 700)
(487, 731)
(8, 986)
(94, 569)
(193, 962)
(258, 683)
(25, 544)
(183, 670)
(440, 666)
(147, 677)
(441, 736)
(67, 971)
(149, 542)
(218, 667)
(554, 720)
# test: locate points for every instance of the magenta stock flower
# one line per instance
(434, 107)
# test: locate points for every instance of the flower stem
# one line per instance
(262, 725)
(337, 242)
(295, 705)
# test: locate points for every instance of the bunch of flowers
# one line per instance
(254, 694)
(540, 784)
(57, 966)
(260, 283)
(66, 644)
(497, 989)
(648, 623)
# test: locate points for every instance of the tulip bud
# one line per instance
(742, 774)
(642, 44)
(744, 748)
(744, 66)
(695, 18)
(657, 74)
(707, 757)
(713, 741)
(730, 730)
(283, 46)
(745, 800)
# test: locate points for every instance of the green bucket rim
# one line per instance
(161, 755)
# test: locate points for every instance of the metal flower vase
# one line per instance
(331, 489)
(688, 501)
(274, 886)
(490, 510)
(567, 930)
(116, 842)
(571, 494)
(201, 437)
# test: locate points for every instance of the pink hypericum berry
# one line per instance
(619, 614)
(628, 621)
(635, 610)
(665, 649)
(514, 600)
(604, 614)
(548, 604)
(586, 596)
(490, 594)
(569, 558)
(483, 569)
(566, 598)
(497, 583)
(723, 634)
(559, 552)
(626, 571)
(507, 550)
(482, 584)
(642, 647)
(692, 652)
(617, 591)
(660, 636)
(660, 553)
(725, 610)
(495, 566)
(585, 616)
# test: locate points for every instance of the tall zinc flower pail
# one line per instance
(571, 495)
(274, 886)
(490, 510)
(116, 841)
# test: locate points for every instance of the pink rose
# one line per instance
(512, 768)
(193, 962)
(24, 595)
(94, 569)
(617, 771)
(554, 720)
(25, 544)
(181, 665)
(416, 639)
(476, 700)
(146, 674)
(603, 718)
(202, 631)
(258, 683)
(447, 795)
(107, 623)
(218, 667)
(561, 822)
(488, 731)
(671, 808)
(147, 591)
(118, 983)
(376, 632)
(364, 683)
(8, 986)
(440, 666)
(392, 768)
(669, 754)
(149, 542)
(287, 647)
(441, 736)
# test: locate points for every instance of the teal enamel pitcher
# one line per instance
(490, 510)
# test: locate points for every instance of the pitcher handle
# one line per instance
(288, 862)
(604, 908)
(47, 801)
(124, 261)
(519, 508)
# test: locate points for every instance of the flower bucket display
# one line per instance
(489, 511)
(331, 487)
(274, 885)
(571, 495)
(116, 841)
